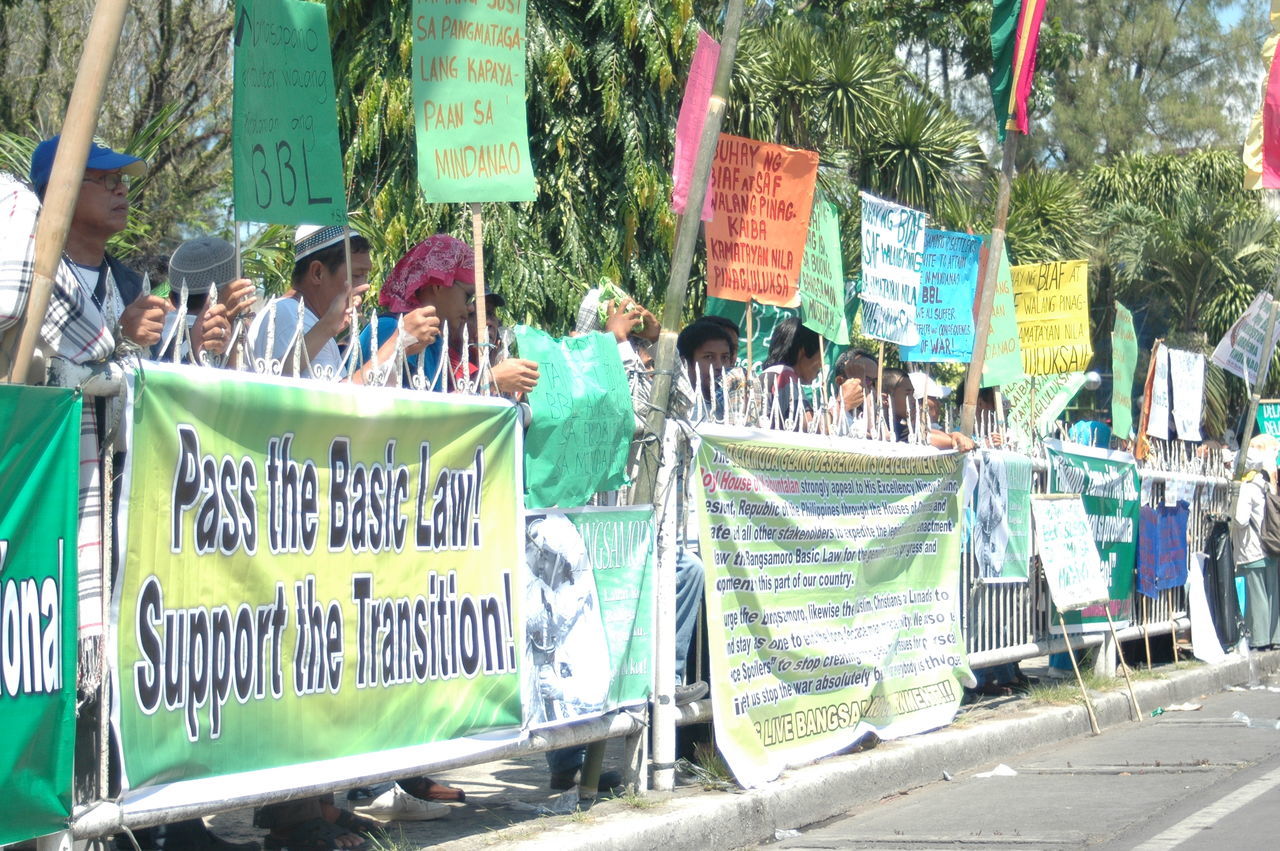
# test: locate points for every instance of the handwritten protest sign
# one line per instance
(1003, 361)
(1269, 417)
(1051, 301)
(948, 282)
(693, 115)
(1186, 377)
(285, 157)
(1158, 416)
(578, 441)
(468, 101)
(763, 200)
(1124, 362)
(892, 253)
(1240, 351)
(1035, 403)
(1072, 569)
(822, 276)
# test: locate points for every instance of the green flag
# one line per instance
(1124, 360)
(468, 101)
(285, 156)
(39, 459)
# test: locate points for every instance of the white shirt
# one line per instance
(282, 331)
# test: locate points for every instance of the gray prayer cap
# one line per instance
(201, 263)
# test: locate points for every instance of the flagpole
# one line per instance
(64, 181)
(987, 286)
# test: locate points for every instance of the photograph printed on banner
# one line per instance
(566, 653)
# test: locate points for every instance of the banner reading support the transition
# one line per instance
(301, 559)
(39, 459)
(832, 595)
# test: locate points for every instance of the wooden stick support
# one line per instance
(483, 375)
(1146, 633)
(1124, 666)
(1084, 692)
(750, 338)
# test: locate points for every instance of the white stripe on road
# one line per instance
(1212, 814)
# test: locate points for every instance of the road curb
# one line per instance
(808, 795)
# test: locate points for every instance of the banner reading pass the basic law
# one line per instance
(832, 604)
(312, 573)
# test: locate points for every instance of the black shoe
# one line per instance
(690, 692)
(610, 782)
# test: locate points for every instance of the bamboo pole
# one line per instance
(1084, 692)
(64, 181)
(483, 376)
(1124, 666)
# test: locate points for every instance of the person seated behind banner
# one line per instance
(325, 298)
(1091, 431)
(986, 428)
(707, 349)
(438, 274)
(929, 394)
(200, 265)
(854, 379)
(793, 362)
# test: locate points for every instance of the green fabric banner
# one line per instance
(469, 101)
(832, 595)
(313, 573)
(1108, 484)
(285, 155)
(583, 420)
(39, 455)
(822, 275)
(1124, 362)
(1003, 362)
(1000, 529)
(589, 610)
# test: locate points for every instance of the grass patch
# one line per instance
(1067, 692)
(708, 769)
(392, 842)
(636, 801)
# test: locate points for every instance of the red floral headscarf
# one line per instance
(437, 261)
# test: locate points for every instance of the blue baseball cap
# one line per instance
(100, 157)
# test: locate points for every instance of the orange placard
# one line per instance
(763, 199)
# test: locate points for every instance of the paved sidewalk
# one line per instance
(501, 795)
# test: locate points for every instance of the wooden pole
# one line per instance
(1146, 635)
(750, 334)
(482, 319)
(1124, 666)
(1084, 692)
(64, 181)
(987, 285)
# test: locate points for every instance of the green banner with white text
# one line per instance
(312, 573)
(832, 594)
(39, 455)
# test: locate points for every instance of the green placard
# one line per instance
(1124, 361)
(822, 275)
(469, 101)
(1036, 402)
(1003, 362)
(39, 455)
(1269, 417)
(285, 155)
(1108, 484)
(583, 420)
(835, 609)
(302, 558)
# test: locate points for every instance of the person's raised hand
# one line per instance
(212, 329)
(143, 320)
(515, 375)
(237, 297)
(623, 317)
(423, 325)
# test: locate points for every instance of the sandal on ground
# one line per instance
(315, 834)
(429, 790)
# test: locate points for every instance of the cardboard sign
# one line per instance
(948, 284)
(763, 201)
(822, 276)
(1052, 305)
(285, 157)
(892, 254)
(468, 101)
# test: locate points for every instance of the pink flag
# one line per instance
(693, 114)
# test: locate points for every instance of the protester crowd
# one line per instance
(425, 336)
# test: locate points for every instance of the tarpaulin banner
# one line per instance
(892, 254)
(583, 420)
(588, 612)
(763, 202)
(1052, 304)
(1000, 524)
(39, 456)
(948, 284)
(832, 594)
(311, 573)
(468, 77)
(1108, 484)
(286, 159)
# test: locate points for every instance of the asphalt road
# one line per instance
(1185, 780)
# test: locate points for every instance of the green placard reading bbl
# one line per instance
(284, 121)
